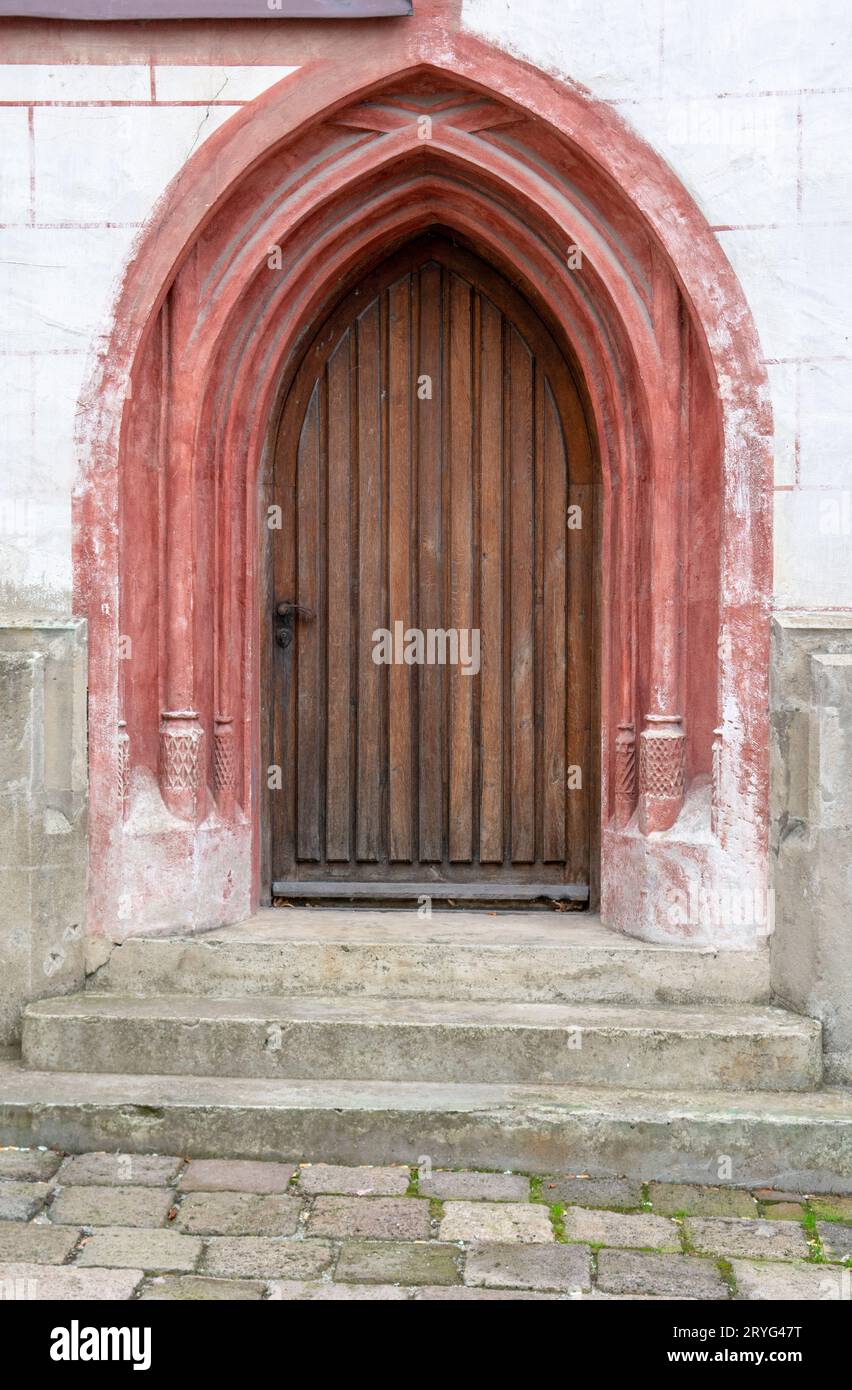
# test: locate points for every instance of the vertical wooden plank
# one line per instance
(582, 545)
(553, 691)
(306, 634)
(491, 585)
(277, 774)
(461, 686)
(430, 565)
(579, 703)
(400, 604)
(338, 625)
(368, 836)
(521, 598)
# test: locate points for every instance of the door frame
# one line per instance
(341, 159)
(510, 299)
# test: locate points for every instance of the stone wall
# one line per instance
(42, 814)
(812, 825)
(751, 107)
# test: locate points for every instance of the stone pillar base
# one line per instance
(661, 772)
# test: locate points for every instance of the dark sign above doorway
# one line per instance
(206, 9)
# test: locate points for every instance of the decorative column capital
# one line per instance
(180, 761)
(662, 757)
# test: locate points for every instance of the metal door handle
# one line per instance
(286, 611)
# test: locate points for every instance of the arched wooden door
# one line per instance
(433, 470)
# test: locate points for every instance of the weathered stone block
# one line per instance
(774, 1281)
(238, 1213)
(381, 1218)
(294, 1292)
(28, 1165)
(769, 1240)
(671, 1198)
(42, 813)
(783, 1211)
(463, 1293)
(362, 1181)
(115, 1247)
(398, 1262)
(617, 1228)
(36, 1244)
(496, 1221)
(836, 1239)
(832, 1208)
(558, 1268)
(469, 1186)
(189, 1287)
(40, 1282)
(570, 1191)
(264, 1257)
(670, 1276)
(812, 825)
(111, 1206)
(21, 1200)
(236, 1175)
(126, 1170)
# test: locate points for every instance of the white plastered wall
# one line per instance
(750, 102)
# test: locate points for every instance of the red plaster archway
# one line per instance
(335, 166)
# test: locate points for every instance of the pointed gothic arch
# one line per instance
(278, 212)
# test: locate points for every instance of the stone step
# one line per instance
(535, 957)
(323, 1038)
(801, 1141)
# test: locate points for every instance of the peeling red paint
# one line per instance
(330, 166)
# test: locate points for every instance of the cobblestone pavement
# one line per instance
(106, 1226)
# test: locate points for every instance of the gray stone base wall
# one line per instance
(811, 760)
(42, 814)
(43, 819)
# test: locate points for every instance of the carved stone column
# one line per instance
(181, 735)
(123, 770)
(224, 763)
(661, 744)
(180, 762)
(625, 773)
(661, 772)
(716, 789)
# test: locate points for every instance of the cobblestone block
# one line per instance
(379, 1218)
(236, 1175)
(238, 1213)
(398, 1262)
(354, 1182)
(496, 1221)
(768, 1240)
(555, 1268)
(111, 1206)
(469, 1186)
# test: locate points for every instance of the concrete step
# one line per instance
(801, 1141)
(328, 1037)
(535, 957)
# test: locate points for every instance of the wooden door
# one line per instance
(432, 467)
